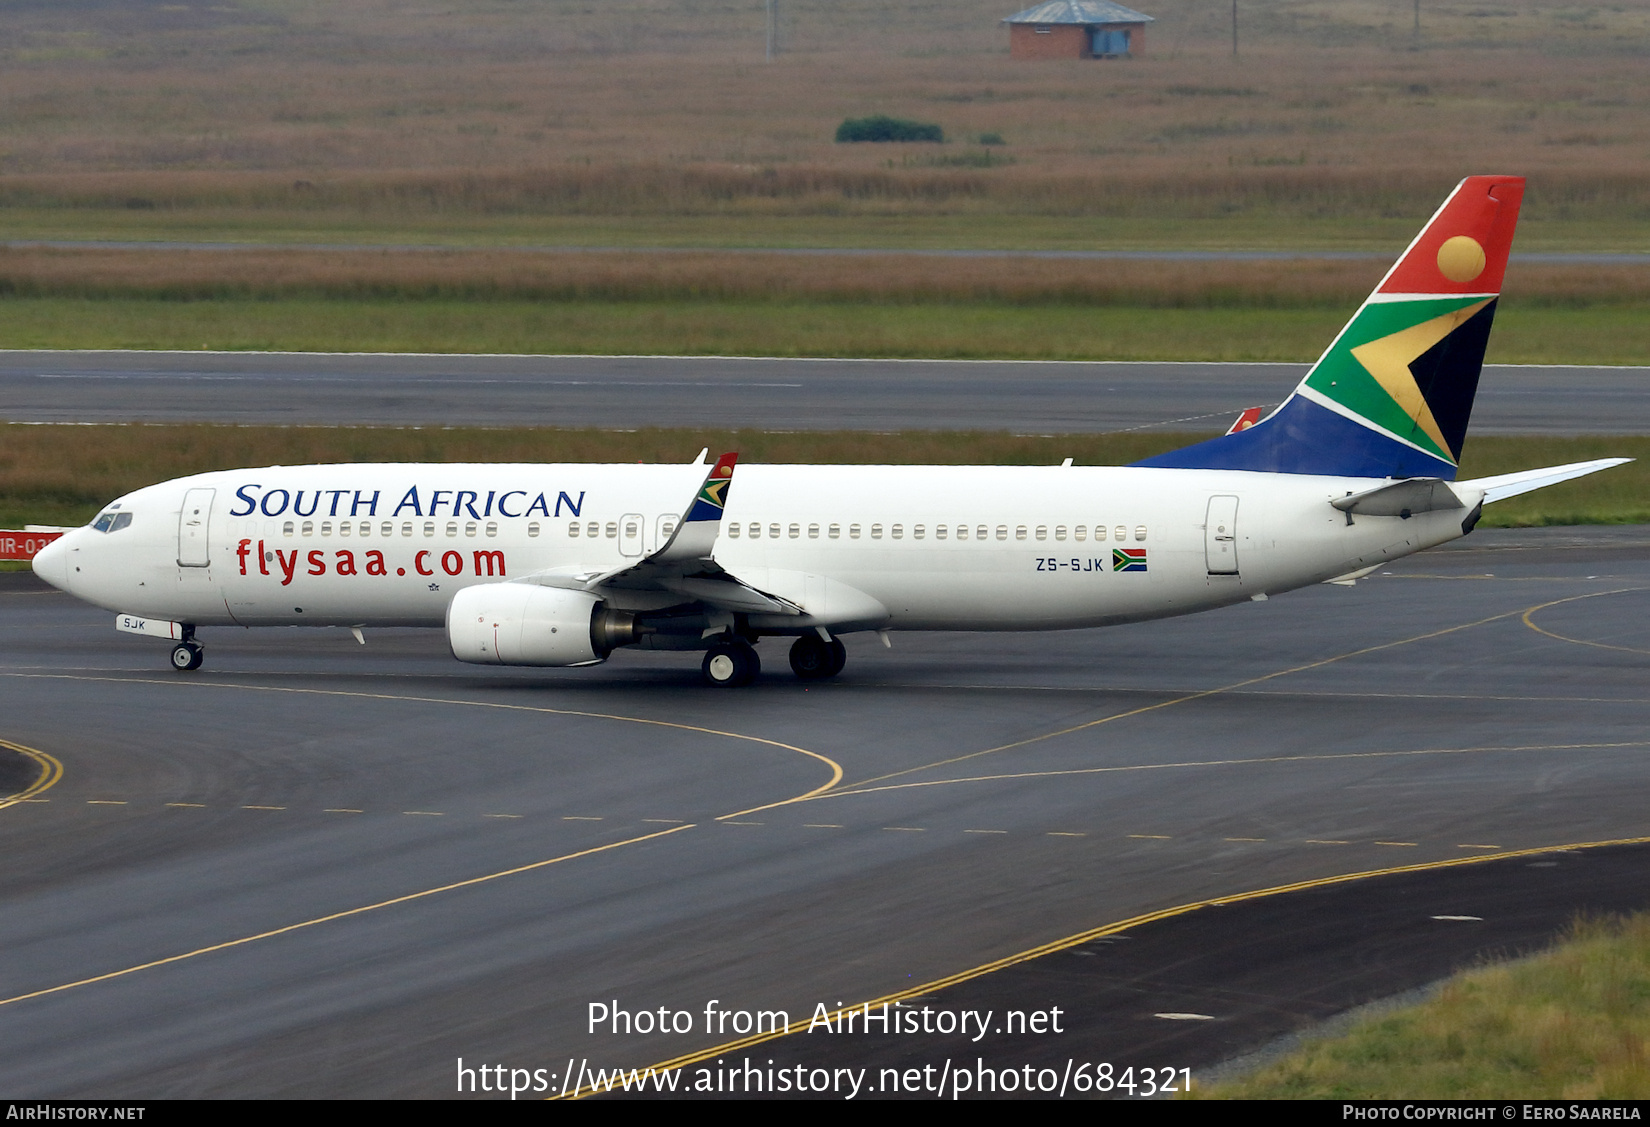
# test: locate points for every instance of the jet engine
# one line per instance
(524, 624)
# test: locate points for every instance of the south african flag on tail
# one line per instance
(1392, 394)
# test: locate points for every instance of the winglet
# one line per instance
(1250, 416)
(697, 533)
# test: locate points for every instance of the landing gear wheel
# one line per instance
(815, 659)
(187, 656)
(731, 664)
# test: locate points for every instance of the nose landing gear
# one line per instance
(188, 654)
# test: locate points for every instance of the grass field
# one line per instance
(64, 474)
(1571, 1024)
(656, 121)
(778, 304)
(1610, 335)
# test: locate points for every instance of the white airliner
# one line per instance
(559, 565)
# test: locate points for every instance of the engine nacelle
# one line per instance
(524, 624)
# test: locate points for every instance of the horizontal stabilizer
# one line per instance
(1401, 498)
(1506, 485)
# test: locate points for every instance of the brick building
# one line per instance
(1076, 29)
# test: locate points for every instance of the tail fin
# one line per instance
(1392, 395)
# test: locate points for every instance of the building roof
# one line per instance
(1078, 12)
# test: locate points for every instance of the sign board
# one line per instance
(22, 544)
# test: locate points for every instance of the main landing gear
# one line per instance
(188, 654)
(815, 659)
(732, 662)
(729, 664)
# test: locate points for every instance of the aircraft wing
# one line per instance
(683, 565)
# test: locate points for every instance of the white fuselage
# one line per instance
(857, 547)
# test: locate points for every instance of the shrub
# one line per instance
(884, 128)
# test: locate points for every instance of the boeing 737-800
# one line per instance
(559, 565)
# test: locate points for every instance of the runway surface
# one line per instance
(767, 394)
(320, 869)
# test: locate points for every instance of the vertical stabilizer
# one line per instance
(1392, 395)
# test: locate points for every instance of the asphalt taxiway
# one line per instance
(315, 868)
(625, 392)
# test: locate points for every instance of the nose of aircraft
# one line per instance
(51, 563)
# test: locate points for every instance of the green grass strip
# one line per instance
(1612, 334)
(1571, 1024)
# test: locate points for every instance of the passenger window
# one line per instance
(1002, 531)
(452, 530)
(876, 532)
(1099, 533)
(897, 531)
(1139, 532)
(366, 528)
(962, 532)
(309, 528)
(470, 528)
(813, 532)
(592, 529)
(981, 532)
(492, 528)
(406, 528)
(326, 528)
(343, 528)
(939, 531)
(796, 531)
(916, 532)
(124, 520)
(836, 532)
(1079, 532)
(1020, 533)
(733, 529)
(755, 531)
(573, 529)
(1120, 533)
(533, 527)
(1059, 532)
(1042, 532)
(612, 530)
(287, 529)
(853, 532)
(429, 528)
(631, 528)
(387, 529)
(773, 532)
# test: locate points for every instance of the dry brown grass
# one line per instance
(666, 106)
(505, 274)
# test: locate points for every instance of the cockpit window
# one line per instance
(112, 522)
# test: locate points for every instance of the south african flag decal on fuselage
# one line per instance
(1128, 559)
